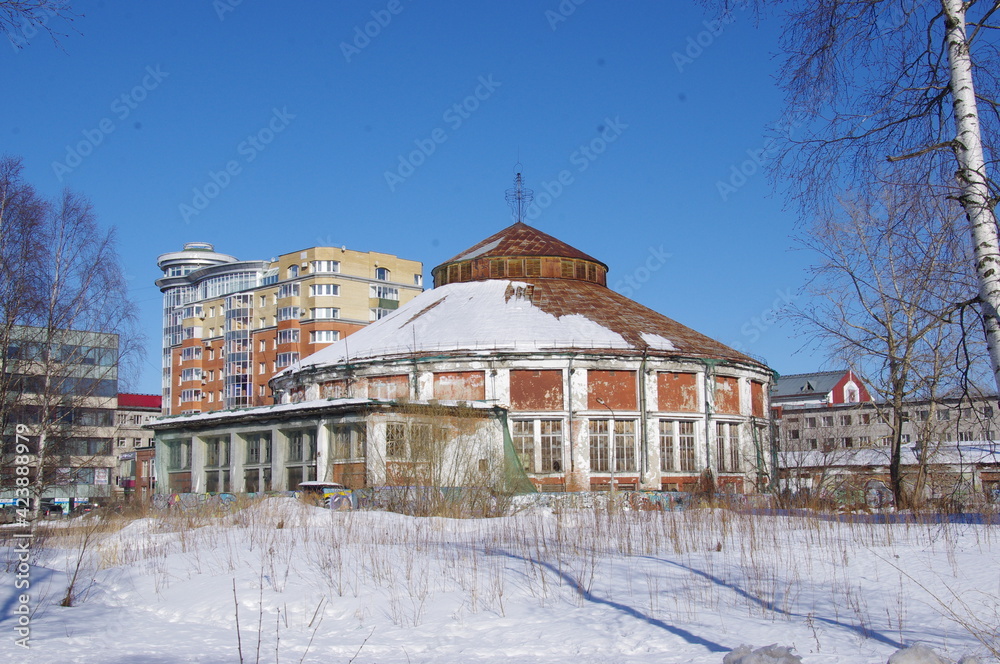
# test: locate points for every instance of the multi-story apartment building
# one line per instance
(60, 400)
(131, 439)
(230, 325)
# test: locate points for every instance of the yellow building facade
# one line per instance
(230, 325)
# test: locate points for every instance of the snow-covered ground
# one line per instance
(574, 586)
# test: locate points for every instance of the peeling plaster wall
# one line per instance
(565, 387)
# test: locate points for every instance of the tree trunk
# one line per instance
(971, 175)
(895, 470)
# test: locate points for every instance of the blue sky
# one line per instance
(267, 128)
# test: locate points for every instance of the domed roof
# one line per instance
(521, 290)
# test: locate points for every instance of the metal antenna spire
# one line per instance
(519, 197)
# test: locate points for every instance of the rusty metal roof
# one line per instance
(634, 322)
(521, 239)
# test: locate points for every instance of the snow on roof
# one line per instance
(218, 416)
(946, 453)
(795, 385)
(480, 315)
(657, 342)
(262, 411)
(479, 251)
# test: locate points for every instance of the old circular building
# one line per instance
(593, 390)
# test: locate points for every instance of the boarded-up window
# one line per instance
(389, 387)
(452, 274)
(581, 270)
(727, 395)
(616, 389)
(498, 268)
(466, 271)
(677, 392)
(567, 268)
(536, 390)
(533, 267)
(460, 385)
(334, 389)
(515, 267)
(756, 399)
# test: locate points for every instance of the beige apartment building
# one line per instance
(229, 325)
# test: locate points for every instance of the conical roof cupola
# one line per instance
(520, 251)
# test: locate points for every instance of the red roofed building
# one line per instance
(133, 446)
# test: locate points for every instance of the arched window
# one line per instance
(382, 273)
(293, 271)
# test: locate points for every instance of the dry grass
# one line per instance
(670, 566)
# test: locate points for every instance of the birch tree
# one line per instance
(885, 295)
(895, 93)
(68, 329)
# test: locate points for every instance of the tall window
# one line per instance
(551, 446)
(599, 457)
(349, 441)
(217, 465)
(668, 446)
(539, 444)
(677, 445)
(685, 442)
(257, 471)
(727, 444)
(395, 440)
(179, 456)
(300, 459)
(523, 434)
(624, 457)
